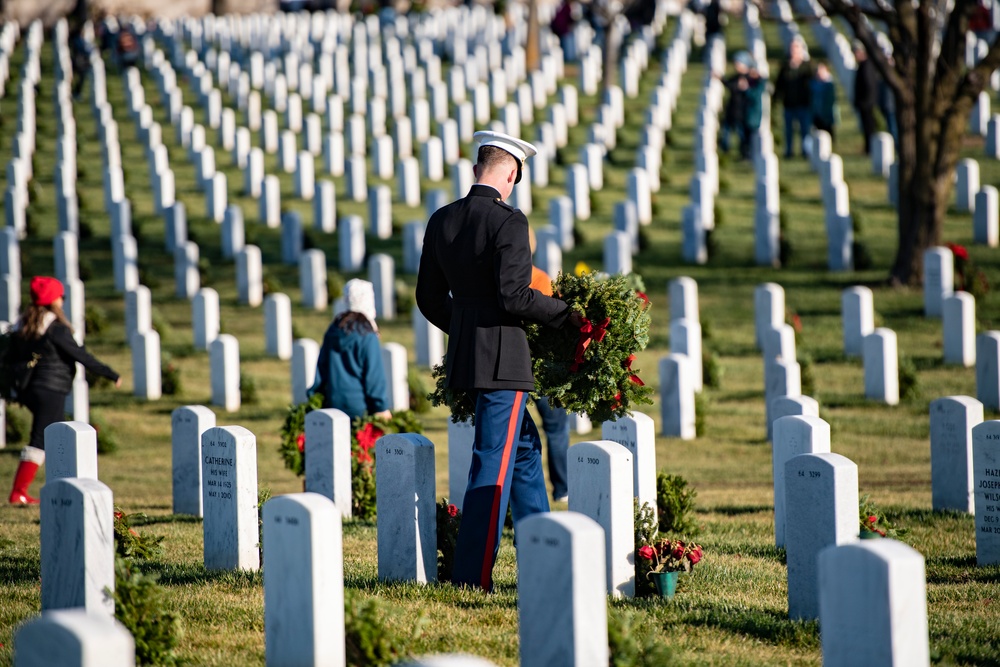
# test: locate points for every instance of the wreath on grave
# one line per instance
(586, 370)
(365, 432)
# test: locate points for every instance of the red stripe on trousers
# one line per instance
(512, 424)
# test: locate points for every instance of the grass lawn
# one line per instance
(733, 609)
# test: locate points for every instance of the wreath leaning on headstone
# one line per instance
(587, 370)
(365, 432)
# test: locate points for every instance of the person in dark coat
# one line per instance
(44, 331)
(474, 282)
(865, 92)
(349, 371)
(734, 113)
(792, 90)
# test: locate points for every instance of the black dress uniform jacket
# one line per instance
(477, 249)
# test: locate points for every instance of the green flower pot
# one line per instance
(870, 535)
(666, 583)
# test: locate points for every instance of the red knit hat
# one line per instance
(45, 290)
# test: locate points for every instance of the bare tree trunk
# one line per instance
(532, 55)
(611, 40)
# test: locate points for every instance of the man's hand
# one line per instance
(385, 414)
(575, 319)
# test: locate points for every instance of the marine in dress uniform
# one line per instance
(473, 282)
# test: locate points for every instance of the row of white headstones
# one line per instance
(816, 499)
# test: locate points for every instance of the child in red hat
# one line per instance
(47, 333)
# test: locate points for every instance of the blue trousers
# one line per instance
(555, 423)
(506, 467)
(802, 116)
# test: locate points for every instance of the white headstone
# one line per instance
(229, 474)
(404, 489)
(70, 450)
(881, 366)
(958, 320)
(233, 233)
(205, 317)
(394, 361)
(562, 598)
(939, 279)
(986, 487)
(74, 638)
(351, 243)
(769, 310)
(188, 424)
(793, 435)
(186, 275)
(278, 326)
(952, 419)
(677, 397)
(600, 486)
(821, 494)
(685, 338)
(428, 341)
(637, 433)
(883, 622)
(312, 279)
(303, 581)
(858, 316)
(224, 358)
(986, 220)
(325, 207)
(146, 365)
(683, 295)
(967, 184)
(988, 369)
(328, 457)
(77, 545)
(249, 276)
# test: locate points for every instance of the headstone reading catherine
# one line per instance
(303, 581)
(404, 491)
(229, 474)
(188, 424)
(793, 436)
(883, 622)
(986, 487)
(821, 494)
(562, 598)
(952, 419)
(328, 457)
(600, 486)
(77, 545)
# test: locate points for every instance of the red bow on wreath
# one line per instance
(367, 437)
(633, 377)
(588, 332)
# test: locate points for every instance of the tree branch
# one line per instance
(863, 31)
(951, 58)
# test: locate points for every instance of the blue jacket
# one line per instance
(350, 374)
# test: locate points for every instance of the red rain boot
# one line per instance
(22, 480)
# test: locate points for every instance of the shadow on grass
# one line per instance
(769, 626)
(177, 574)
(18, 569)
(737, 510)
(146, 520)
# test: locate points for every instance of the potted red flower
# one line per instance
(668, 559)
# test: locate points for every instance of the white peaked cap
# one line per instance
(521, 150)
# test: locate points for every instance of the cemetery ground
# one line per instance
(733, 608)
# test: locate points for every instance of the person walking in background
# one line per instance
(823, 96)
(555, 421)
(887, 101)
(349, 371)
(45, 334)
(865, 93)
(792, 90)
(754, 112)
(473, 282)
(734, 114)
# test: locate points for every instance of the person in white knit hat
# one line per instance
(349, 373)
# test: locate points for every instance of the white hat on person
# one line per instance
(521, 150)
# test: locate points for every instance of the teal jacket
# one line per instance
(350, 374)
(754, 107)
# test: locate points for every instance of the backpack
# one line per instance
(17, 365)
